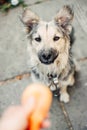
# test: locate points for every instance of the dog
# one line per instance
(49, 49)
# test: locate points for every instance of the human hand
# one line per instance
(15, 117)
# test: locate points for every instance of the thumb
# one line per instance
(29, 106)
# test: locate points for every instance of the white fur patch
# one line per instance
(64, 97)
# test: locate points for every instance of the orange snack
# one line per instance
(43, 99)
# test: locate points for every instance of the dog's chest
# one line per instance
(51, 73)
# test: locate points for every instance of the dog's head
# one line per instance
(49, 40)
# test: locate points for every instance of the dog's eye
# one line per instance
(38, 39)
(56, 38)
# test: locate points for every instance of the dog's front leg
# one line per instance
(64, 96)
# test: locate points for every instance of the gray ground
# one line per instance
(14, 70)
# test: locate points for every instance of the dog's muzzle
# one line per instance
(47, 56)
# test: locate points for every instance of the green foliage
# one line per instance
(5, 7)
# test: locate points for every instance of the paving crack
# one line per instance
(38, 2)
(82, 59)
(66, 115)
(17, 77)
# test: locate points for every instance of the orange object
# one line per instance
(43, 97)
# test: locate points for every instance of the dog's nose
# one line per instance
(48, 57)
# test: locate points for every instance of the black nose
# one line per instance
(48, 56)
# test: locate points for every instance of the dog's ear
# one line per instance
(29, 19)
(64, 18)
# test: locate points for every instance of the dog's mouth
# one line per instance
(47, 57)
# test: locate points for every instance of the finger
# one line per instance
(46, 123)
(11, 110)
(14, 118)
(29, 106)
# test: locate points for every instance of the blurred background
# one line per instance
(14, 70)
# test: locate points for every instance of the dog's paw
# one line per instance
(64, 97)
